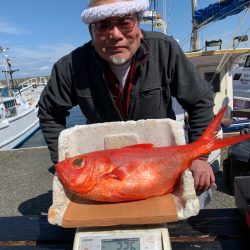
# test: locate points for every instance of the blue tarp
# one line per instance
(218, 11)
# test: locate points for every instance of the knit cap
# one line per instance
(101, 9)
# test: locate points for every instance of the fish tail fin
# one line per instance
(223, 142)
(210, 139)
(212, 130)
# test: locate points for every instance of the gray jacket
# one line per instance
(162, 71)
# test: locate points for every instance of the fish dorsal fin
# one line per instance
(142, 145)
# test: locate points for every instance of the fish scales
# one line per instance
(139, 171)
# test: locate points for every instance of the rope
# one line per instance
(186, 39)
(236, 32)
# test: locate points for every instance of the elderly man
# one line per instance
(125, 73)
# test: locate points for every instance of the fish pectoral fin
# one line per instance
(116, 174)
(142, 145)
(88, 185)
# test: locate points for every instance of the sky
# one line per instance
(36, 33)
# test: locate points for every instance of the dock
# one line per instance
(26, 181)
(26, 195)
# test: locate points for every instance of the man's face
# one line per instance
(116, 39)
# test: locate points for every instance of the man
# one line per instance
(125, 73)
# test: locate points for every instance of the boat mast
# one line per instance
(194, 37)
(5, 66)
(8, 72)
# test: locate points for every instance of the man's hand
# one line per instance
(203, 175)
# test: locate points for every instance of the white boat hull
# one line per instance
(15, 130)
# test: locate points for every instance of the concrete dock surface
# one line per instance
(26, 183)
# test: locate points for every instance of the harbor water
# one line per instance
(36, 140)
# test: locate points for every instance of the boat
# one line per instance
(218, 65)
(241, 82)
(215, 64)
(228, 70)
(221, 77)
(31, 89)
(18, 108)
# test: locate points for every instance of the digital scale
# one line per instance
(155, 238)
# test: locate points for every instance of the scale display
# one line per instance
(126, 239)
(120, 244)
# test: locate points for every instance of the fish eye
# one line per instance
(78, 162)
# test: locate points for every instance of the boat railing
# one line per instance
(32, 83)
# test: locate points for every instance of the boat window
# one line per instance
(10, 108)
(237, 76)
(213, 79)
(9, 104)
(247, 63)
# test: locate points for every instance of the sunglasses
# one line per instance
(124, 24)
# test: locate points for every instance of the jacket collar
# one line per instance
(142, 54)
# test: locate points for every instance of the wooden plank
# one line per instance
(215, 245)
(223, 223)
(38, 247)
(32, 228)
(210, 229)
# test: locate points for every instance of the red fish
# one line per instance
(137, 172)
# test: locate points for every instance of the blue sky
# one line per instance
(39, 32)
